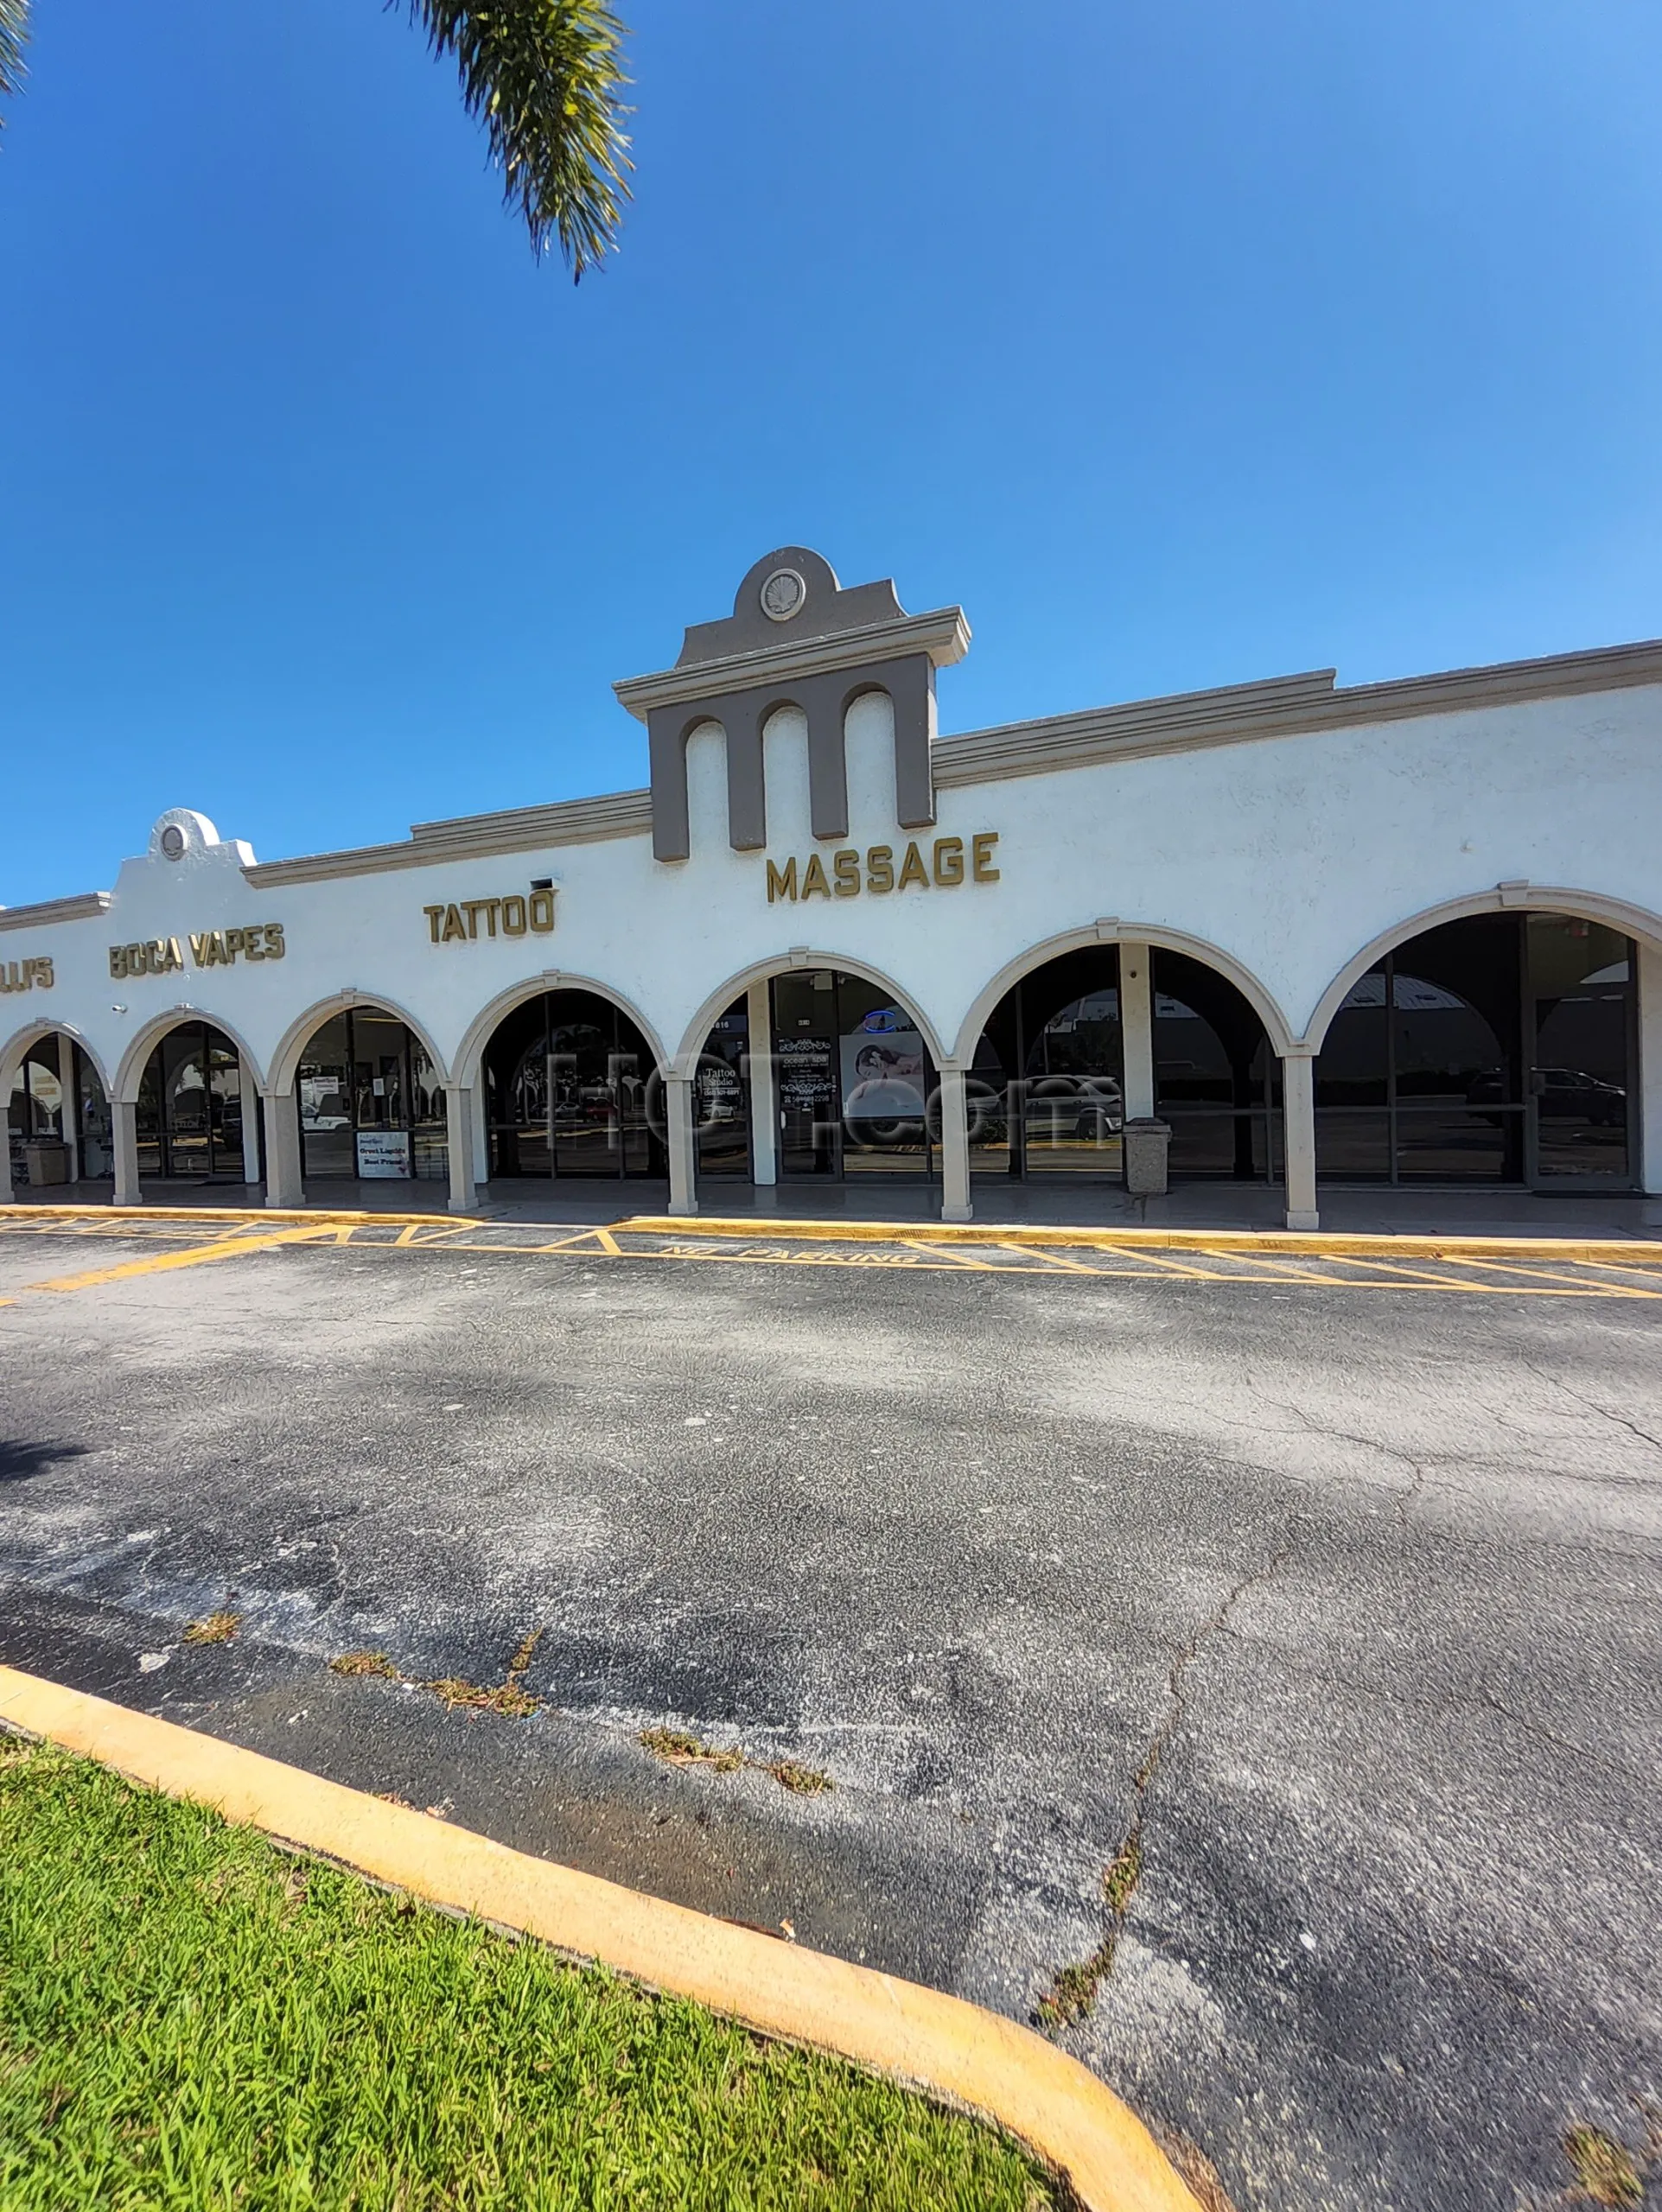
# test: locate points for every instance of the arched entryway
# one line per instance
(1102, 1031)
(196, 1112)
(1045, 1092)
(572, 1089)
(370, 1101)
(1492, 1049)
(817, 1074)
(59, 1127)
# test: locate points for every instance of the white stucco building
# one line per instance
(1408, 933)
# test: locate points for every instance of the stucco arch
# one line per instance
(131, 1073)
(1521, 898)
(471, 1052)
(14, 1046)
(758, 971)
(1258, 996)
(285, 1061)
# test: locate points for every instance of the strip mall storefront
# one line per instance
(1407, 933)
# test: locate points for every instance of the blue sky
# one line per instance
(1182, 342)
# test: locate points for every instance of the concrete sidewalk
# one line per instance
(1426, 1210)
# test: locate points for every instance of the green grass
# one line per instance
(190, 2017)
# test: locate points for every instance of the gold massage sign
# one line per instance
(948, 864)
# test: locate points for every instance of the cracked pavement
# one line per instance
(1344, 1604)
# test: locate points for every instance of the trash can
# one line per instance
(1147, 1142)
(45, 1160)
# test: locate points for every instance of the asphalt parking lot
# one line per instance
(1279, 1655)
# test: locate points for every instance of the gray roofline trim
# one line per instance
(1238, 714)
(83, 906)
(476, 836)
(1289, 706)
(943, 635)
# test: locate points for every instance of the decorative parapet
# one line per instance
(795, 638)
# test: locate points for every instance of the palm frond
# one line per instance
(546, 76)
(14, 37)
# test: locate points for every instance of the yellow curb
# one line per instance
(319, 1214)
(918, 2036)
(1597, 1251)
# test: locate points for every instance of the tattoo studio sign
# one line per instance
(520, 912)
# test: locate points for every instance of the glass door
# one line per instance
(805, 1059)
(886, 1082)
(721, 1095)
(1582, 1016)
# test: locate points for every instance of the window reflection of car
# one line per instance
(1091, 1107)
(329, 1110)
(1563, 1092)
(1573, 1091)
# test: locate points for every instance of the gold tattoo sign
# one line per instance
(520, 912)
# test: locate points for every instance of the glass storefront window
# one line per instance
(568, 1082)
(885, 1082)
(34, 1107)
(1072, 1108)
(323, 1095)
(1500, 1049)
(96, 1123)
(190, 1107)
(372, 1107)
(721, 1095)
(1581, 999)
(1216, 1081)
(1046, 1095)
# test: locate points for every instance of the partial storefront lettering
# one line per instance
(26, 975)
(163, 956)
(939, 863)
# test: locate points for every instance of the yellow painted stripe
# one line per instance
(21, 1209)
(896, 2027)
(1615, 1251)
(1058, 1261)
(1149, 1268)
(1317, 1243)
(198, 1255)
(958, 1259)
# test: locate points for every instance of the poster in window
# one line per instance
(383, 1155)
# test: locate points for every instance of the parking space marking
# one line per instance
(223, 1247)
(1111, 1259)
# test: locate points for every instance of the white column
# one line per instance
(1137, 1030)
(459, 1132)
(124, 1134)
(954, 1146)
(1650, 1068)
(284, 1185)
(250, 1093)
(71, 1116)
(1298, 1126)
(764, 1090)
(681, 1144)
(6, 1194)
